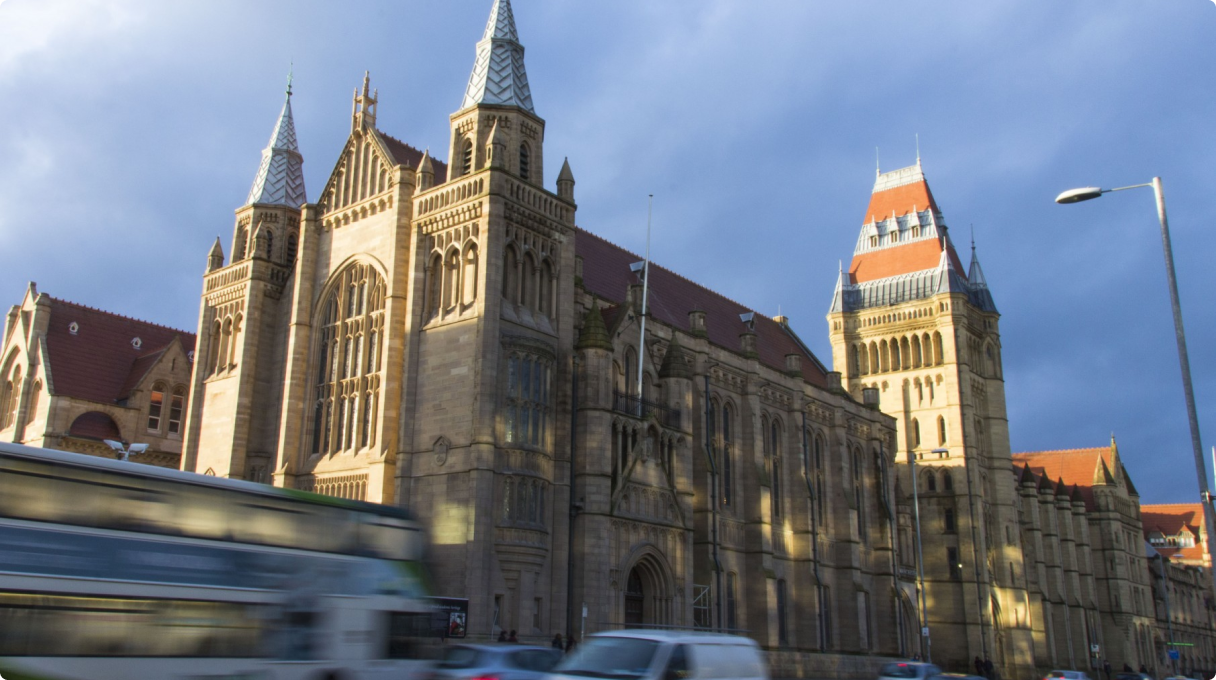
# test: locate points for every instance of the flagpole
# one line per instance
(645, 293)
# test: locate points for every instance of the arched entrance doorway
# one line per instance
(635, 599)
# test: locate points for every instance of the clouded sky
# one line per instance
(131, 129)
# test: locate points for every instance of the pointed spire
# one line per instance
(280, 178)
(215, 259)
(595, 332)
(363, 107)
(565, 181)
(498, 75)
(426, 172)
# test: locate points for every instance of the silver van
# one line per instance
(663, 655)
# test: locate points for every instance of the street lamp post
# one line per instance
(123, 452)
(1205, 496)
(920, 561)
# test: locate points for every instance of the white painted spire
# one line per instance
(280, 178)
(498, 73)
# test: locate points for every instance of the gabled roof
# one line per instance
(498, 75)
(280, 178)
(99, 362)
(606, 274)
(1170, 519)
(1082, 468)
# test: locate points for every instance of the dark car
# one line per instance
(495, 662)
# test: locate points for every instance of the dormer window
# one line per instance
(874, 241)
(525, 159)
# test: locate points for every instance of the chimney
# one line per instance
(793, 363)
(834, 385)
(696, 323)
(869, 397)
(747, 342)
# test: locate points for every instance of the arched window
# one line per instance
(631, 371)
(727, 488)
(915, 433)
(32, 410)
(177, 405)
(895, 355)
(434, 286)
(916, 355)
(239, 245)
(852, 359)
(269, 238)
(525, 161)
(213, 361)
(545, 301)
(156, 403)
(348, 384)
(8, 401)
(874, 365)
(507, 498)
(451, 279)
(510, 276)
(947, 480)
(293, 246)
(225, 344)
(930, 481)
(948, 520)
(468, 277)
(937, 349)
(466, 158)
(820, 488)
(775, 450)
(783, 634)
(529, 275)
(941, 430)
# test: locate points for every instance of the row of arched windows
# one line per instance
(348, 365)
(529, 281)
(223, 342)
(523, 501)
(166, 416)
(896, 354)
(985, 358)
(451, 281)
(523, 158)
(934, 480)
(264, 246)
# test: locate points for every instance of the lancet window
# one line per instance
(452, 280)
(8, 397)
(523, 501)
(156, 404)
(529, 279)
(347, 369)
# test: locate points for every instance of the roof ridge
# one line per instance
(679, 276)
(411, 147)
(120, 316)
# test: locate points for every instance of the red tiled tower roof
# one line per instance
(99, 362)
(606, 274)
(1084, 468)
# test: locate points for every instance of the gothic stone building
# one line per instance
(72, 377)
(444, 337)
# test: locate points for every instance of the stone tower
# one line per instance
(907, 321)
(239, 352)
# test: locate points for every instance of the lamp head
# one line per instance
(117, 446)
(1078, 195)
(638, 268)
(749, 318)
(137, 448)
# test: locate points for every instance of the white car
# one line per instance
(663, 655)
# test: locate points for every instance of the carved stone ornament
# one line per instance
(441, 450)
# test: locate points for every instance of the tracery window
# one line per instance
(529, 402)
(347, 386)
(775, 452)
(156, 403)
(8, 398)
(523, 501)
(466, 158)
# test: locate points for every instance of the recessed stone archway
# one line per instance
(649, 592)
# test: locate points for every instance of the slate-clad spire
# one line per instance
(280, 179)
(980, 295)
(498, 73)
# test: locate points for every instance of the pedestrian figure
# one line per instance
(502, 636)
(979, 666)
(1106, 668)
(557, 642)
(512, 638)
(570, 643)
(988, 669)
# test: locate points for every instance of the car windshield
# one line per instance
(609, 657)
(898, 670)
(459, 657)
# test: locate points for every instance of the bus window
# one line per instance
(404, 629)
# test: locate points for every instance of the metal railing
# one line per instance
(641, 408)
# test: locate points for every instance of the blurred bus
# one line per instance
(117, 570)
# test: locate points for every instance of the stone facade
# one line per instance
(72, 376)
(445, 338)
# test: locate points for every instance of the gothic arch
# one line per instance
(658, 584)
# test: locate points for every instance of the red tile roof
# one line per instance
(900, 200)
(902, 259)
(606, 274)
(1080, 467)
(99, 363)
(1170, 519)
(407, 155)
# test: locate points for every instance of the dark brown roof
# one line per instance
(404, 154)
(99, 363)
(606, 274)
